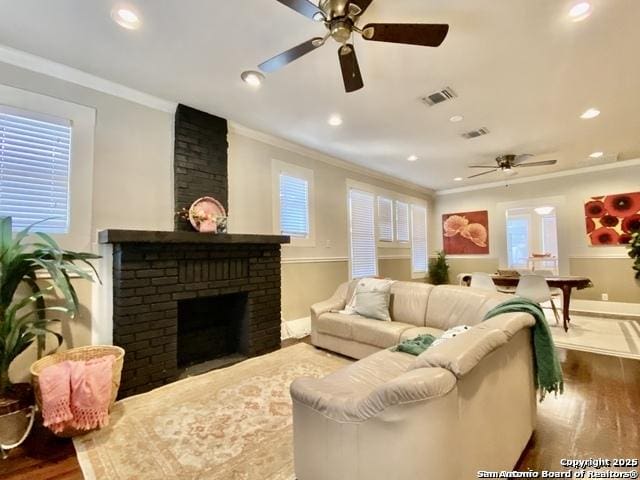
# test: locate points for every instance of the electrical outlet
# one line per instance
(605, 297)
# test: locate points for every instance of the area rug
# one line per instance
(229, 424)
(607, 336)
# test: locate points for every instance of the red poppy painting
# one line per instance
(611, 219)
(466, 233)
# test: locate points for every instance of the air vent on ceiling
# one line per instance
(443, 95)
(476, 133)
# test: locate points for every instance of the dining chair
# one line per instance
(482, 280)
(535, 288)
(555, 291)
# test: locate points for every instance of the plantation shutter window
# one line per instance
(419, 238)
(402, 222)
(364, 261)
(294, 206)
(34, 170)
(385, 219)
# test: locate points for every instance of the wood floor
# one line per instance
(598, 416)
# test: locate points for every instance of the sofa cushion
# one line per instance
(416, 331)
(336, 324)
(409, 302)
(377, 333)
(450, 306)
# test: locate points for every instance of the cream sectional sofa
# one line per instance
(465, 405)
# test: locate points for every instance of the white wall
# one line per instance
(132, 176)
(568, 193)
(133, 153)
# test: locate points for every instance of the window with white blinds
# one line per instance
(364, 259)
(294, 206)
(34, 171)
(419, 238)
(385, 219)
(402, 222)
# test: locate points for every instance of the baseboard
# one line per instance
(617, 310)
(298, 328)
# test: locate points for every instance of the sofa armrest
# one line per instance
(510, 323)
(341, 404)
(462, 353)
(337, 302)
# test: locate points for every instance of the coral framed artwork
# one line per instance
(612, 219)
(466, 233)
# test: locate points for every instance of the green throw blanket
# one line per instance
(548, 374)
(415, 346)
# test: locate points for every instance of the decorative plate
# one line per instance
(204, 212)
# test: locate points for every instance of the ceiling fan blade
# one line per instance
(483, 166)
(483, 173)
(350, 68)
(361, 4)
(521, 158)
(428, 35)
(537, 164)
(290, 55)
(303, 7)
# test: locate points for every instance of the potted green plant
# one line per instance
(634, 252)
(439, 269)
(25, 320)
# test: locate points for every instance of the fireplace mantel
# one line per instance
(144, 236)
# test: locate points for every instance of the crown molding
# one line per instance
(546, 176)
(60, 71)
(322, 157)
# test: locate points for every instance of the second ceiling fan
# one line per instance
(340, 17)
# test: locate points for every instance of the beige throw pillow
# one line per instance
(371, 298)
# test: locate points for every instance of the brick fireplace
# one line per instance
(181, 298)
(229, 285)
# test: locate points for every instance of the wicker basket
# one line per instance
(78, 354)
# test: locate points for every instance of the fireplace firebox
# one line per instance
(211, 327)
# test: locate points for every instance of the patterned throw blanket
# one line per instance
(548, 374)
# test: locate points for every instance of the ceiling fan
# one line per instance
(507, 164)
(340, 17)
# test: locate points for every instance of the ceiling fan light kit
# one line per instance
(340, 17)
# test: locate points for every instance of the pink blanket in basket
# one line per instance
(77, 394)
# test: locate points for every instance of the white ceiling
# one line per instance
(520, 68)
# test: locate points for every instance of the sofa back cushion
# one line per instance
(409, 302)
(450, 306)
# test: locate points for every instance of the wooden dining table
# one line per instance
(564, 283)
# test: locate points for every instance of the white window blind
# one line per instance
(364, 261)
(402, 222)
(385, 219)
(419, 237)
(294, 206)
(34, 171)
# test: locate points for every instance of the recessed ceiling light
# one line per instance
(596, 154)
(580, 11)
(126, 18)
(335, 120)
(456, 118)
(252, 78)
(589, 114)
(413, 158)
(458, 179)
